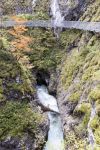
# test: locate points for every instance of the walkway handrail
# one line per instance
(82, 25)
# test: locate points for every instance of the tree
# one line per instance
(20, 42)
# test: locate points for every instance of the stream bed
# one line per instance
(55, 139)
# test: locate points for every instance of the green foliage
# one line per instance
(92, 12)
(95, 123)
(95, 94)
(82, 110)
(92, 71)
(75, 97)
(38, 15)
(96, 75)
(16, 118)
(67, 37)
(85, 63)
(81, 66)
(41, 15)
(74, 62)
(9, 6)
(39, 12)
(98, 107)
(46, 53)
(41, 9)
(72, 141)
(4, 43)
(97, 135)
(10, 70)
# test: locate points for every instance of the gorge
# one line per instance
(50, 75)
(55, 134)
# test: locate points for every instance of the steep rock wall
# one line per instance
(79, 84)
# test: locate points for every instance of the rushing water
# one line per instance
(48, 101)
(55, 134)
(34, 3)
(90, 132)
(57, 17)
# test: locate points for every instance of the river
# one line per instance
(55, 135)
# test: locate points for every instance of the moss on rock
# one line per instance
(95, 94)
(81, 67)
(16, 118)
(92, 12)
(75, 97)
(46, 53)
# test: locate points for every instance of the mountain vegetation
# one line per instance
(73, 65)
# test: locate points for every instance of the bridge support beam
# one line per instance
(81, 25)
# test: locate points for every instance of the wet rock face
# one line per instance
(15, 94)
(16, 144)
(74, 94)
(15, 7)
(42, 77)
(26, 142)
(29, 140)
(53, 84)
(73, 9)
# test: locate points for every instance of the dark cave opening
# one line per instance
(42, 77)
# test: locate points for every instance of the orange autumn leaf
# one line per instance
(17, 30)
(20, 42)
(20, 29)
(26, 39)
(12, 32)
(18, 19)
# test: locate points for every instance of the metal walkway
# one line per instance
(88, 26)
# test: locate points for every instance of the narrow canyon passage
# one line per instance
(55, 134)
(50, 75)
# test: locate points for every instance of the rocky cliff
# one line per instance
(78, 86)
(69, 66)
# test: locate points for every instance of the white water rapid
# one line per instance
(34, 3)
(46, 100)
(55, 134)
(56, 16)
